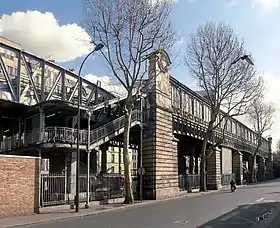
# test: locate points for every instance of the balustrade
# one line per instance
(65, 135)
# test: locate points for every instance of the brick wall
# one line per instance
(19, 185)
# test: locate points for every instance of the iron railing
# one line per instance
(59, 189)
(188, 182)
(65, 134)
(112, 127)
(226, 178)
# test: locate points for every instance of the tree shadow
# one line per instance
(243, 216)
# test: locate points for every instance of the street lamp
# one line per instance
(77, 198)
(141, 149)
(244, 57)
(88, 159)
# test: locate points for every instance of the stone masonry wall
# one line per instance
(19, 185)
(237, 164)
(166, 157)
(213, 164)
(160, 157)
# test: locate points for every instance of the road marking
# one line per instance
(245, 219)
(227, 217)
(270, 201)
(260, 199)
(181, 222)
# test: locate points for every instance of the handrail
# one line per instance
(196, 120)
(65, 134)
(112, 126)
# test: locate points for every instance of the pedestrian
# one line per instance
(232, 185)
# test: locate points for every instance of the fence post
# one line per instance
(37, 184)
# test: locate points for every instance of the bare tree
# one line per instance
(261, 117)
(215, 60)
(276, 153)
(130, 30)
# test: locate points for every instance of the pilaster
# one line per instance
(213, 164)
(237, 164)
(261, 169)
(160, 156)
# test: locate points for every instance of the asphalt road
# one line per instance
(217, 210)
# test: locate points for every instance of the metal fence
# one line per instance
(226, 178)
(189, 182)
(65, 134)
(61, 189)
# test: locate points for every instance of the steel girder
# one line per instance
(29, 79)
(197, 130)
(193, 125)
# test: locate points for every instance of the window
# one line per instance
(192, 105)
(113, 169)
(134, 165)
(133, 157)
(112, 158)
(202, 111)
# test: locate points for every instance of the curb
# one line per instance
(124, 207)
(92, 213)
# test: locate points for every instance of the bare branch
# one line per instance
(215, 60)
(130, 31)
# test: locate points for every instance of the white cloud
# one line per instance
(267, 3)
(158, 1)
(180, 41)
(272, 96)
(41, 34)
(106, 83)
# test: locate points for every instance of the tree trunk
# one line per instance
(126, 160)
(252, 171)
(203, 165)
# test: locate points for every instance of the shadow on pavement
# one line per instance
(243, 216)
(273, 193)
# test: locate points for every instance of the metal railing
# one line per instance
(226, 178)
(59, 189)
(188, 182)
(112, 126)
(65, 134)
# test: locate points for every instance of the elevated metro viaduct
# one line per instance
(38, 108)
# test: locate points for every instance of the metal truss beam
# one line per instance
(40, 92)
(54, 85)
(7, 78)
(196, 130)
(31, 76)
(178, 105)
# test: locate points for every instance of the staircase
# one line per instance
(112, 129)
(64, 135)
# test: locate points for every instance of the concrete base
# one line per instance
(166, 193)
(82, 205)
(214, 186)
(196, 190)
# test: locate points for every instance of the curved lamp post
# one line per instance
(244, 57)
(77, 198)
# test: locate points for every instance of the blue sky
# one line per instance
(255, 21)
(257, 25)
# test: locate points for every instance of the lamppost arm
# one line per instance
(77, 198)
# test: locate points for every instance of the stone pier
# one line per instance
(213, 164)
(160, 156)
(237, 165)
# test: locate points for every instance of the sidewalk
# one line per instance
(66, 213)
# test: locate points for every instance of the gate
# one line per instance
(59, 189)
